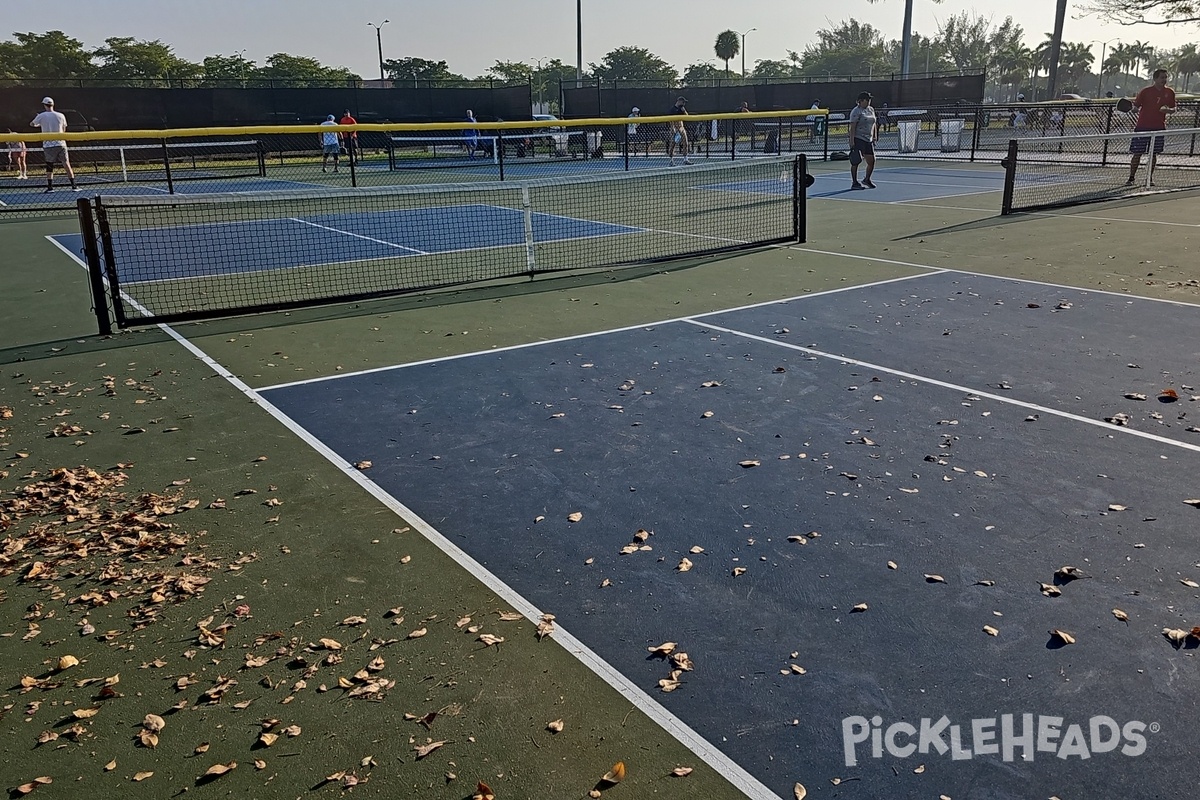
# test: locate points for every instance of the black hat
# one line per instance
(864, 95)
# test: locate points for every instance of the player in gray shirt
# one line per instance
(864, 131)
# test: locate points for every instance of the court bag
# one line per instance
(839, 155)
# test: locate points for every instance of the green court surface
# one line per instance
(296, 551)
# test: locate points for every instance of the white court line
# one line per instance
(360, 236)
(943, 197)
(1195, 448)
(675, 727)
(581, 336)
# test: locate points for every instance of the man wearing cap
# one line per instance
(54, 151)
(331, 144)
(632, 136)
(676, 133)
(736, 127)
(864, 132)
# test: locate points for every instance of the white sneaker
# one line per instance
(22, 177)
(75, 189)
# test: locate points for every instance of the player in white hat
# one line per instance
(54, 151)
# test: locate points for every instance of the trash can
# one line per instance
(909, 133)
(951, 133)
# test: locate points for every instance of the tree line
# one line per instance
(963, 42)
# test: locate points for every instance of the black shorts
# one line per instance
(863, 147)
(1141, 144)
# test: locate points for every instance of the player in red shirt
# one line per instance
(351, 138)
(1152, 105)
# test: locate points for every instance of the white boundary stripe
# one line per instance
(1195, 448)
(577, 337)
(359, 236)
(677, 728)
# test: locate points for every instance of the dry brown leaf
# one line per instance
(85, 713)
(268, 739)
(26, 788)
(681, 772)
(201, 748)
(260, 764)
(418, 633)
(575, 516)
(1050, 590)
(749, 463)
(354, 621)
(483, 792)
(696, 550)
(796, 669)
(154, 723)
(1189, 583)
(929, 578)
(331, 644)
(148, 739)
(990, 631)
(739, 571)
(1069, 573)
(799, 792)
(363, 465)
(858, 609)
(1175, 634)
(110, 766)
(555, 726)
(293, 731)
(684, 565)
(1121, 615)
(425, 749)
(665, 649)
(1063, 636)
(66, 662)
(614, 775)
(217, 770)
(141, 776)
(490, 639)
(45, 737)
(892, 565)
(508, 616)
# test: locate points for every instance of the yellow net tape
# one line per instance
(35, 135)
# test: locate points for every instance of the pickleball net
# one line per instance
(182, 257)
(1061, 171)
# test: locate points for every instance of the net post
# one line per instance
(352, 159)
(91, 254)
(110, 261)
(1010, 178)
(800, 198)
(499, 146)
(975, 133)
(527, 213)
(391, 151)
(167, 167)
(825, 146)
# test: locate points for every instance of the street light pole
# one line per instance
(541, 83)
(379, 42)
(1103, 45)
(743, 35)
(578, 43)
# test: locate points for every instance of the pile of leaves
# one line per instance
(77, 528)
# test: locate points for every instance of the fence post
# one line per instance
(977, 133)
(625, 145)
(352, 143)
(498, 143)
(1107, 129)
(91, 252)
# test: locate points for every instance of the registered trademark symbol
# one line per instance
(1155, 727)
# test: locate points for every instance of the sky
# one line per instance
(471, 35)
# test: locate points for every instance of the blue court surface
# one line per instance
(191, 251)
(824, 502)
(33, 193)
(895, 184)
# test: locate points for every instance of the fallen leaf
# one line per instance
(141, 776)
(1175, 634)
(1069, 573)
(1190, 583)
(489, 639)
(684, 565)
(575, 516)
(1121, 615)
(990, 631)
(425, 749)
(1063, 636)
(985, 583)
(681, 772)
(1050, 590)
(737, 571)
(268, 739)
(1117, 507)
(330, 644)
(66, 662)
(483, 792)
(363, 465)
(797, 669)
(556, 726)
(148, 739)
(260, 764)
(929, 578)
(799, 791)
(26, 788)
(892, 565)
(418, 633)
(110, 766)
(614, 775)
(85, 713)
(861, 607)
(217, 770)
(201, 748)
(665, 649)
(154, 723)
(749, 463)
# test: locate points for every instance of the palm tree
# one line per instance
(1013, 64)
(1140, 52)
(1187, 63)
(906, 38)
(727, 47)
(1075, 61)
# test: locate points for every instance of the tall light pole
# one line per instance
(1060, 15)
(578, 43)
(379, 42)
(241, 57)
(541, 83)
(1103, 45)
(743, 35)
